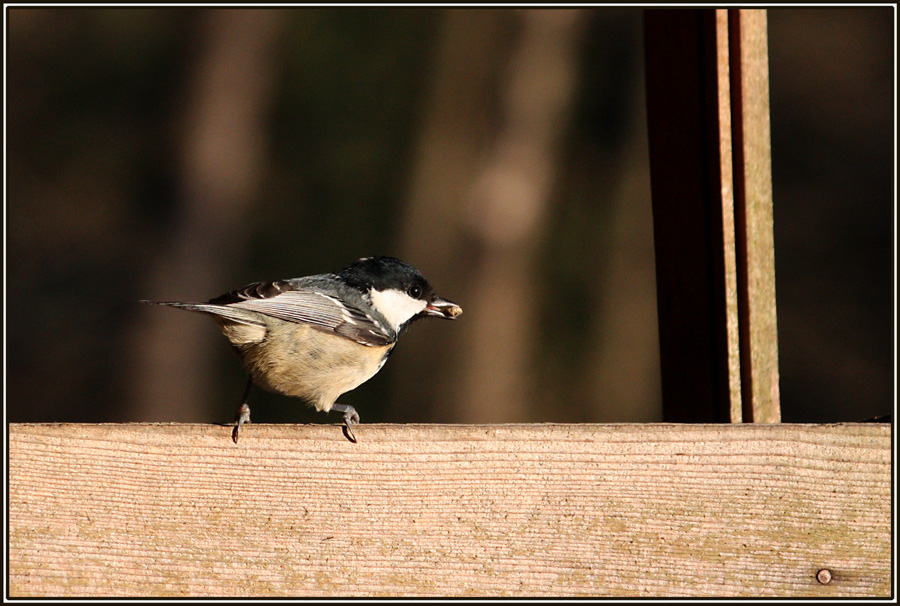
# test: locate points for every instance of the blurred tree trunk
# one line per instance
(621, 382)
(493, 204)
(221, 159)
(619, 378)
(471, 52)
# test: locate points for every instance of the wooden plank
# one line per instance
(433, 510)
(754, 214)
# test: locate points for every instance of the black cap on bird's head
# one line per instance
(377, 276)
(381, 273)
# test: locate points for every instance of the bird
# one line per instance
(320, 336)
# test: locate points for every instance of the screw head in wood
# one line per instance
(824, 576)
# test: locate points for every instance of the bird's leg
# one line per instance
(351, 417)
(243, 413)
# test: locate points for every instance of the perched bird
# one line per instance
(320, 336)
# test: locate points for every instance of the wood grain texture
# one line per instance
(435, 510)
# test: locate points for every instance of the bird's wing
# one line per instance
(291, 302)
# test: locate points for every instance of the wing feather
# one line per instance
(290, 303)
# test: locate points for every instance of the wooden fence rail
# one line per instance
(435, 510)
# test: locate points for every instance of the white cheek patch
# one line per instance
(396, 306)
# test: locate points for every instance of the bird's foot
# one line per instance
(243, 416)
(351, 418)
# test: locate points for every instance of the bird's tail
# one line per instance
(231, 313)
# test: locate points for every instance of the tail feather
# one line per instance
(232, 313)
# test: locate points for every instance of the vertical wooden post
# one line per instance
(754, 214)
(688, 220)
(732, 322)
(708, 122)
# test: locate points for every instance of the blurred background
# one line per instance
(176, 153)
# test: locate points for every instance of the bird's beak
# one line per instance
(443, 309)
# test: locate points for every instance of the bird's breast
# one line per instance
(316, 365)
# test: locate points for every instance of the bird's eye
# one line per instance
(414, 291)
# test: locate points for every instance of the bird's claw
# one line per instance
(243, 417)
(350, 418)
